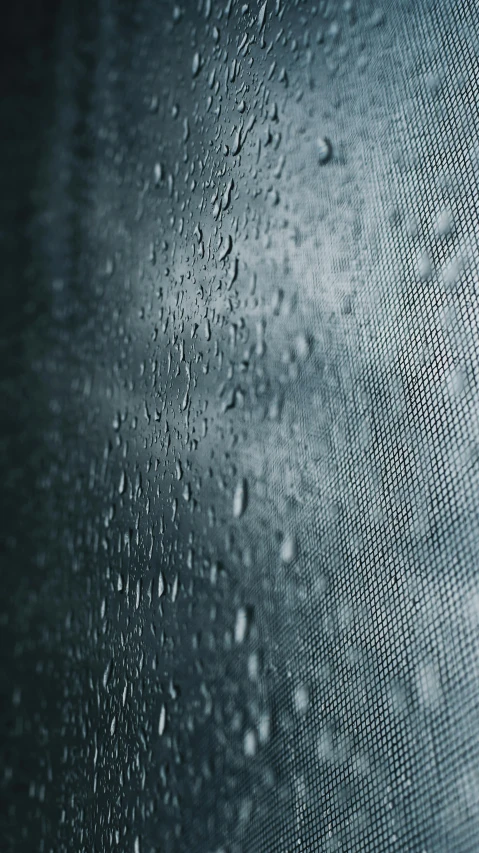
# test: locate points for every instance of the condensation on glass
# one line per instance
(245, 594)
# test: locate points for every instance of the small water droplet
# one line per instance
(241, 625)
(424, 266)
(240, 498)
(196, 64)
(429, 685)
(264, 727)
(161, 585)
(302, 346)
(452, 272)
(253, 666)
(325, 149)
(162, 721)
(301, 699)
(122, 484)
(288, 549)
(107, 673)
(250, 743)
(456, 382)
(444, 224)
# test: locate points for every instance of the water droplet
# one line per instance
(456, 382)
(240, 498)
(158, 173)
(301, 699)
(196, 64)
(264, 727)
(107, 673)
(262, 15)
(253, 666)
(241, 625)
(161, 585)
(424, 266)
(302, 346)
(325, 149)
(122, 484)
(444, 224)
(226, 248)
(250, 743)
(452, 272)
(429, 685)
(288, 549)
(162, 720)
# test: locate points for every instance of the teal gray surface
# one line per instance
(241, 451)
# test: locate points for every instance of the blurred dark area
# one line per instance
(27, 83)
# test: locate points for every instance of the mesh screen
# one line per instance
(241, 594)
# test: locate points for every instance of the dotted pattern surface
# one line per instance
(241, 591)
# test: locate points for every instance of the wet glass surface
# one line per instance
(241, 441)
